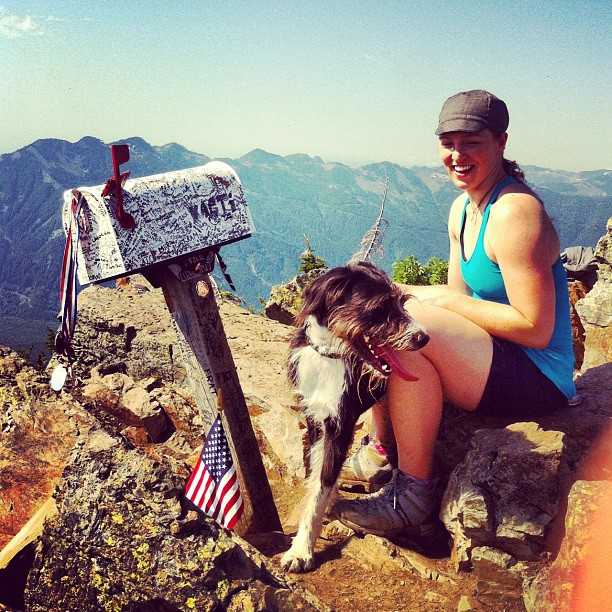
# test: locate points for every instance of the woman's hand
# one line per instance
(427, 293)
(441, 300)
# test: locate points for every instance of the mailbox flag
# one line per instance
(213, 485)
(120, 154)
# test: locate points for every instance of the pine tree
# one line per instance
(309, 261)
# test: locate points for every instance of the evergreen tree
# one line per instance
(309, 261)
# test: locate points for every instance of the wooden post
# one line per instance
(212, 375)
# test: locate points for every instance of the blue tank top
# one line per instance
(484, 279)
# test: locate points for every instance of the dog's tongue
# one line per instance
(391, 358)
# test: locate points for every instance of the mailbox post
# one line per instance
(180, 219)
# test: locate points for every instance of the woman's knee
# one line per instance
(459, 351)
(441, 320)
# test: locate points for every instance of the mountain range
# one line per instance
(290, 197)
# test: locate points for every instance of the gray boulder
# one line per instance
(123, 541)
(285, 300)
(505, 493)
(595, 309)
(126, 326)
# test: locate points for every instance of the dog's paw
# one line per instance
(297, 561)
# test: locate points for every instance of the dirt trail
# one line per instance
(361, 574)
(355, 574)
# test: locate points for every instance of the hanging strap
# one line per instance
(224, 271)
(67, 287)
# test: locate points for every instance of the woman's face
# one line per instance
(471, 157)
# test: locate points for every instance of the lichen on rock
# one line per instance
(122, 540)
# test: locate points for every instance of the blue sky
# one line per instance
(350, 81)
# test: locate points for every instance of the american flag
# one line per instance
(213, 485)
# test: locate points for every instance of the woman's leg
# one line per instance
(415, 409)
(455, 362)
(453, 366)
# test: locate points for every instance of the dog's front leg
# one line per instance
(300, 557)
(326, 458)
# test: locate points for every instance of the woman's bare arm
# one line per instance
(523, 243)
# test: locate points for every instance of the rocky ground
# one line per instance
(90, 482)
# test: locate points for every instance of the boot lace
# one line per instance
(394, 487)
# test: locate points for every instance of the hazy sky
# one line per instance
(350, 81)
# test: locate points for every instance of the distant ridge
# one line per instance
(289, 196)
(260, 156)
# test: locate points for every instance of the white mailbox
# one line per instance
(175, 214)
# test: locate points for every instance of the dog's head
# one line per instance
(360, 305)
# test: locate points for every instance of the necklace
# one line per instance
(473, 215)
(474, 212)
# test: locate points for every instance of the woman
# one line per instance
(500, 335)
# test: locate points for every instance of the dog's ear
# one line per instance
(313, 303)
(324, 294)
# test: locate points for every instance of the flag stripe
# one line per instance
(229, 504)
(195, 474)
(222, 488)
(197, 483)
(203, 491)
(234, 514)
(207, 488)
(208, 491)
(228, 494)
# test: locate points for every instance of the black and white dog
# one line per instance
(351, 323)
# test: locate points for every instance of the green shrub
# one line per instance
(410, 271)
(437, 271)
